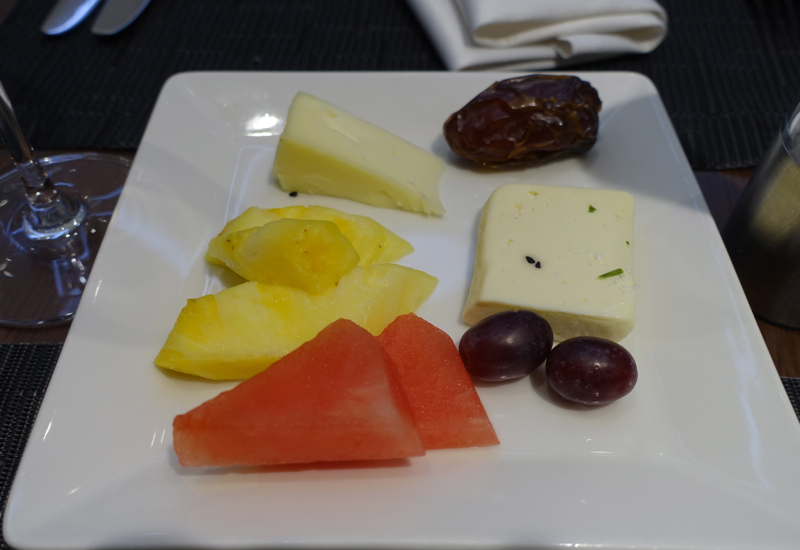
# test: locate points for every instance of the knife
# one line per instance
(116, 15)
(66, 14)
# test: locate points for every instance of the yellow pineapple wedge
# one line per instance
(374, 243)
(308, 254)
(240, 331)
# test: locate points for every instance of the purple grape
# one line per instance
(590, 370)
(506, 345)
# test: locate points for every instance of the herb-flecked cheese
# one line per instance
(557, 251)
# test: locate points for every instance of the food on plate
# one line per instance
(530, 119)
(592, 371)
(446, 407)
(374, 243)
(543, 248)
(336, 397)
(324, 150)
(512, 344)
(309, 254)
(240, 331)
(507, 345)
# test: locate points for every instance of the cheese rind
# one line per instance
(326, 151)
(545, 248)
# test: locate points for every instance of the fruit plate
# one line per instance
(703, 453)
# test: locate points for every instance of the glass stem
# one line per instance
(52, 213)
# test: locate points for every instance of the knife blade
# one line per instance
(66, 14)
(116, 15)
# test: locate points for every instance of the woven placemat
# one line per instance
(727, 72)
(792, 386)
(25, 371)
(78, 90)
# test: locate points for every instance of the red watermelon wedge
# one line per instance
(336, 397)
(446, 406)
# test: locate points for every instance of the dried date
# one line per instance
(526, 120)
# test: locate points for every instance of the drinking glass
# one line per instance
(763, 233)
(53, 214)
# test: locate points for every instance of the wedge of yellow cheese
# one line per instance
(565, 253)
(324, 150)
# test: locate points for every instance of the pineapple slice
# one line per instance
(240, 331)
(374, 243)
(308, 254)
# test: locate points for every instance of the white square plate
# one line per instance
(705, 453)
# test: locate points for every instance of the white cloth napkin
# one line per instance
(538, 34)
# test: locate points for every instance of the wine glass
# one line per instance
(53, 214)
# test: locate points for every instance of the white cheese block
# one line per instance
(546, 249)
(326, 151)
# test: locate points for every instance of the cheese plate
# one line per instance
(702, 454)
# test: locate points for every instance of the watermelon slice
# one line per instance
(336, 397)
(446, 406)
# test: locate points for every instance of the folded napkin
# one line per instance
(538, 34)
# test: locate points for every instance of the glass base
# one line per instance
(42, 280)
